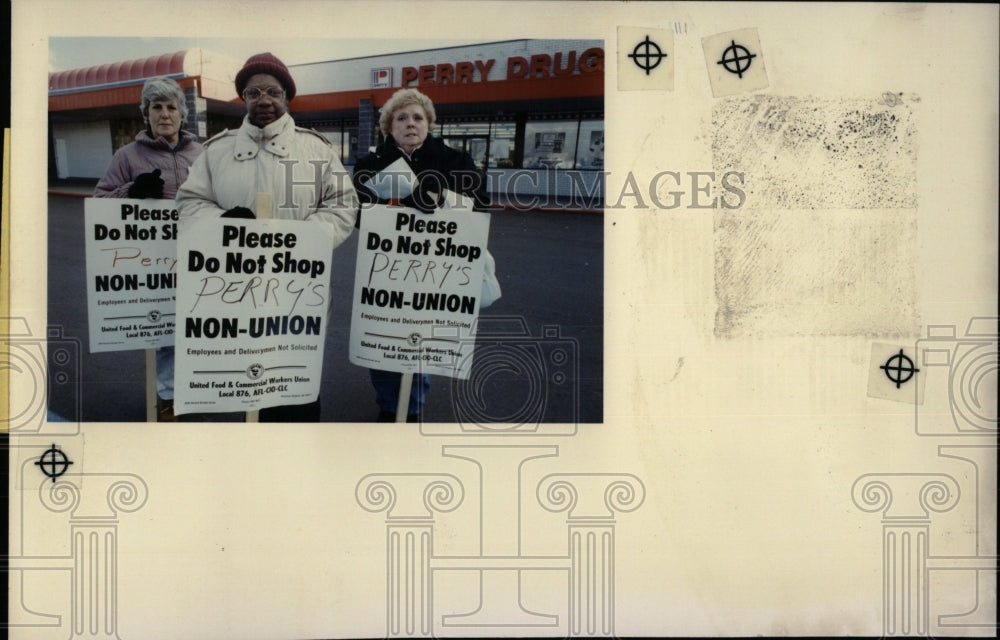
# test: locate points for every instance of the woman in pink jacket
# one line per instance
(154, 166)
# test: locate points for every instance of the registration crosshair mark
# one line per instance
(903, 366)
(53, 462)
(736, 59)
(646, 55)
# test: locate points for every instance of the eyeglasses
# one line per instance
(253, 93)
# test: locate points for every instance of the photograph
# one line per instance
(509, 122)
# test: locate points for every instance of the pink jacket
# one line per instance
(144, 155)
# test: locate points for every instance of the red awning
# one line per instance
(161, 65)
(107, 97)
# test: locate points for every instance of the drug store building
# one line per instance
(530, 112)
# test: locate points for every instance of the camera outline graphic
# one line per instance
(542, 366)
(969, 360)
(54, 364)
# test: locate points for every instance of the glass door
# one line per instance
(475, 146)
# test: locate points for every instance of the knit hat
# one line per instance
(265, 63)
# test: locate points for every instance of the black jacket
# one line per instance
(436, 166)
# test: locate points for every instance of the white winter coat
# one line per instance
(237, 165)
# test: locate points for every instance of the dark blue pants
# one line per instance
(386, 385)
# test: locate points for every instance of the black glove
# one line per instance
(147, 185)
(425, 198)
(239, 212)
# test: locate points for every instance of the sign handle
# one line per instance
(151, 385)
(403, 405)
(263, 212)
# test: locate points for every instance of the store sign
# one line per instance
(382, 78)
(539, 66)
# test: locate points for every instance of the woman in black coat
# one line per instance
(406, 121)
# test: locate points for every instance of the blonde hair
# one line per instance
(400, 99)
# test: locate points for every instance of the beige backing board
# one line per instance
(756, 471)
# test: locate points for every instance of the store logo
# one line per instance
(382, 78)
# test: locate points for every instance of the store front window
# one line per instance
(343, 137)
(502, 145)
(550, 145)
(590, 146)
(564, 143)
(123, 132)
(336, 138)
(470, 137)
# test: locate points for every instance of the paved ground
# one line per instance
(550, 266)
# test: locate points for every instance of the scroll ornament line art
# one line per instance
(961, 407)
(92, 563)
(591, 502)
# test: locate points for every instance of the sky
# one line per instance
(76, 53)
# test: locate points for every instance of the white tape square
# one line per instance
(645, 59)
(735, 62)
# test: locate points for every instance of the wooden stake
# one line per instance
(402, 407)
(151, 414)
(263, 212)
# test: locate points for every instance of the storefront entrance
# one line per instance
(475, 146)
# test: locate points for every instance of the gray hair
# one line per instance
(162, 88)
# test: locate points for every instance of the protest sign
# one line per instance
(252, 299)
(131, 272)
(395, 182)
(417, 289)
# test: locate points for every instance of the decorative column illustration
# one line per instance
(409, 501)
(957, 403)
(92, 563)
(591, 501)
(905, 500)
